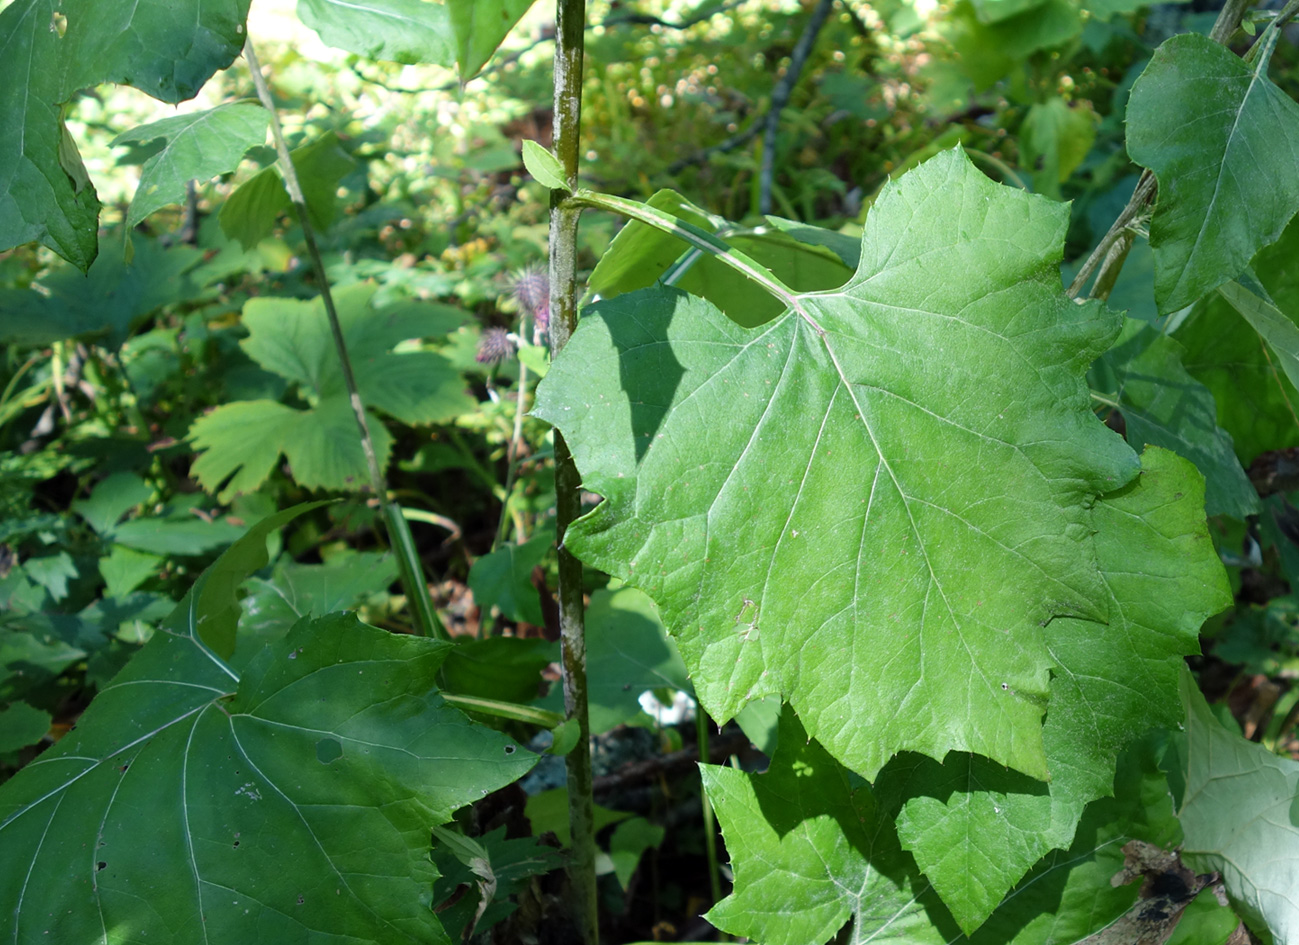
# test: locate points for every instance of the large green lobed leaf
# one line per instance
(874, 503)
(975, 828)
(813, 848)
(287, 803)
(167, 48)
(1223, 142)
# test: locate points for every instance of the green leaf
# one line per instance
(1240, 818)
(504, 579)
(986, 52)
(245, 439)
(292, 339)
(21, 725)
(292, 802)
(846, 248)
(111, 499)
(250, 213)
(504, 668)
(1280, 333)
(110, 300)
(1163, 405)
(994, 11)
(722, 454)
(548, 812)
(125, 569)
(1055, 139)
(52, 572)
(1205, 922)
(406, 31)
(209, 611)
(1223, 142)
(179, 535)
(199, 146)
(28, 661)
(166, 48)
(630, 840)
(1256, 402)
(628, 652)
(507, 864)
(480, 26)
(544, 167)
(976, 828)
(812, 848)
(293, 591)
(240, 442)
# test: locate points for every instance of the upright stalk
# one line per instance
(570, 23)
(412, 576)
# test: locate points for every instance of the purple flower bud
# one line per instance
(494, 346)
(531, 287)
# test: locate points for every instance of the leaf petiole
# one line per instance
(699, 239)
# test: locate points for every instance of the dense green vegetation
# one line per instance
(931, 417)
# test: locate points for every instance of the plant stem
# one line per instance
(412, 576)
(570, 22)
(1228, 20)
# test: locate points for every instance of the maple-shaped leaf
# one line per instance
(874, 503)
(242, 441)
(975, 828)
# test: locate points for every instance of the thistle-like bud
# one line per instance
(495, 346)
(530, 286)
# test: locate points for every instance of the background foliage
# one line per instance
(904, 397)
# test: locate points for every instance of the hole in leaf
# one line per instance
(100, 865)
(509, 749)
(328, 749)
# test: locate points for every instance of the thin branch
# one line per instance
(398, 530)
(780, 98)
(730, 144)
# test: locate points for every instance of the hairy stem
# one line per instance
(570, 22)
(412, 577)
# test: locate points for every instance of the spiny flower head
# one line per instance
(495, 346)
(530, 287)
